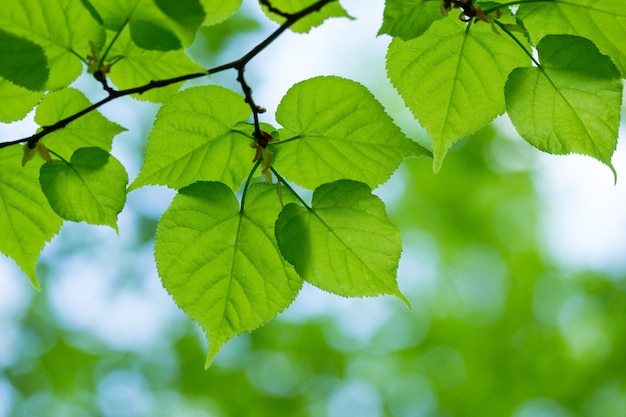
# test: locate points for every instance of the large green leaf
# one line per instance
(453, 79)
(408, 19)
(17, 101)
(140, 66)
(338, 130)
(92, 129)
(193, 140)
(26, 220)
(91, 188)
(344, 243)
(332, 9)
(63, 28)
(219, 10)
(220, 263)
(601, 21)
(154, 24)
(571, 104)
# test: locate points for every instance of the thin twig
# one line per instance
(238, 64)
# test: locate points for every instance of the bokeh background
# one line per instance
(514, 263)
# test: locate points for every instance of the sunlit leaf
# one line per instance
(193, 140)
(332, 9)
(601, 21)
(452, 79)
(334, 128)
(91, 188)
(92, 129)
(17, 101)
(221, 264)
(408, 19)
(154, 24)
(26, 219)
(572, 103)
(344, 243)
(140, 66)
(219, 10)
(63, 28)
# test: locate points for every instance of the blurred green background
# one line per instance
(514, 263)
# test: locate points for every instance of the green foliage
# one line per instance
(221, 263)
(233, 264)
(91, 187)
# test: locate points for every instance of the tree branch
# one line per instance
(238, 64)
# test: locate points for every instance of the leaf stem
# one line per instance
(247, 184)
(290, 188)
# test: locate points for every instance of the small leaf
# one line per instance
(90, 130)
(345, 243)
(312, 20)
(409, 19)
(158, 25)
(193, 139)
(26, 220)
(140, 66)
(219, 10)
(572, 103)
(452, 79)
(91, 188)
(23, 62)
(62, 28)
(334, 128)
(221, 264)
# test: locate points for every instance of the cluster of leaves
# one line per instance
(234, 263)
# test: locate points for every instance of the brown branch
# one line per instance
(238, 64)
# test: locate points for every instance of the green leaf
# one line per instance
(92, 129)
(571, 104)
(408, 19)
(91, 188)
(26, 219)
(344, 243)
(219, 10)
(18, 101)
(601, 21)
(193, 140)
(159, 25)
(334, 128)
(63, 28)
(221, 264)
(140, 66)
(452, 79)
(23, 62)
(312, 20)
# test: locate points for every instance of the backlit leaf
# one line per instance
(452, 79)
(572, 103)
(26, 219)
(408, 19)
(91, 188)
(23, 62)
(140, 66)
(345, 243)
(219, 10)
(63, 28)
(92, 129)
(221, 264)
(17, 101)
(193, 140)
(601, 21)
(154, 24)
(334, 128)
(332, 9)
